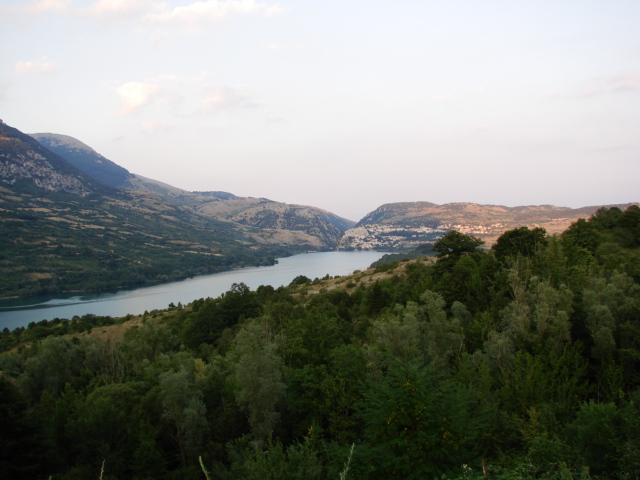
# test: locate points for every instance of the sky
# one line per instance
(344, 105)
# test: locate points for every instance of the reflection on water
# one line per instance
(19, 312)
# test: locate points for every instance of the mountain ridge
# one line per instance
(63, 231)
(62, 215)
(85, 158)
(403, 226)
(28, 163)
(263, 221)
(391, 226)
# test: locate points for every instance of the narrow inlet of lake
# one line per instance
(16, 313)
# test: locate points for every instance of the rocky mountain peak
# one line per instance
(85, 158)
(58, 140)
(24, 161)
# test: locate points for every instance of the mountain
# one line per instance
(263, 221)
(279, 220)
(61, 230)
(404, 226)
(71, 219)
(26, 164)
(85, 158)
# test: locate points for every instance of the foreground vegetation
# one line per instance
(521, 362)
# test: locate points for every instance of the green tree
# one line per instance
(596, 435)
(444, 335)
(213, 316)
(520, 241)
(103, 430)
(630, 222)
(257, 372)
(143, 345)
(399, 336)
(608, 304)
(322, 398)
(455, 244)
(582, 234)
(538, 317)
(276, 462)
(300, 280)
(20, 447)
(376, 298)
(184, 411)
(53, 364)
(417, 425)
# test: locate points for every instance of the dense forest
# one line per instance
(515, 362)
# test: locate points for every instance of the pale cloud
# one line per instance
(172, 79)
(282, 47)
(149, 13)
(114, 10)
(200, 14)
(481, 127)
(623, 82)
(45, 6)
(628, 81)
(136, 95)
(222, 97)
(39, 67)
(34, 9)
(181, 96)
(591, 91)
(157, 127)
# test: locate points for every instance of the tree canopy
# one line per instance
(522, 361)
(454, 244)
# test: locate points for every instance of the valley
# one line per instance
(72, 219)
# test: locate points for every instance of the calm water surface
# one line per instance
(19, 312)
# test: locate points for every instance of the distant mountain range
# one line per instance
(263, 221)
(404, 226)
(95, 226)
(72, 219)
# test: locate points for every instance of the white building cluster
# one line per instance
(406, 237)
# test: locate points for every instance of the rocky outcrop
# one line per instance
(22, 159)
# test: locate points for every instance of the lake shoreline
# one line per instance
(24, 310)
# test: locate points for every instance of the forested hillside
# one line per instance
(518, 362)
(61, 230)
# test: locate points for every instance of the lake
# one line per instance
(20, 312)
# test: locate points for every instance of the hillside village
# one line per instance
(405, 238)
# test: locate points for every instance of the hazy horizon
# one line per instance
(342, 105)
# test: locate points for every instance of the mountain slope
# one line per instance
(60, 230)
(263, 221)
(280, 219)
(266, 221)
(25, 163)
(85, 158)
(403, 226)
